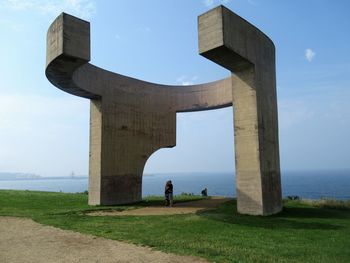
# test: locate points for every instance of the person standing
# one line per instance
(169, 193)
(204, 192)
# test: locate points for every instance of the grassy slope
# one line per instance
(301, 233)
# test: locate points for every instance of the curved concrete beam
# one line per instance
(200, 97)
(131, 119)
(67, 67)
(67, 49)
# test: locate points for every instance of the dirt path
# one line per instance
(24, 241)
(180, 208)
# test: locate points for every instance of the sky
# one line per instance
(45, 131)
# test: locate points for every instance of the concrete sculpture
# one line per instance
(130, 119)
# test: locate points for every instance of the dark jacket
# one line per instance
(169, 189)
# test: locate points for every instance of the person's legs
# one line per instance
(167, 199)
(171, 199)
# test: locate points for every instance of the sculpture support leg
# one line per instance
(122, 137)
(233, 43)
(247, 155)
(112, 178)
(95, 152)
(256, 147)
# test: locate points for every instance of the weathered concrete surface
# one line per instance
(233, 43)
(131, 119)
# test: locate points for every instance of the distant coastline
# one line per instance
(332, 184)
(8, 176)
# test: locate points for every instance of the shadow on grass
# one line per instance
(313, 212)
(290, 218)
(87, 211)
(154, 201)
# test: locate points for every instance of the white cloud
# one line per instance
(292, 112)
(81, 8)
(144, 29)
(208, 3)
(252, 2)
(18, 109)
(185, 80)
(309, 54)
(12, 25)
(211, 3)
(44, 135)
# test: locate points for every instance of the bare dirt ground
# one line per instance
(24, 241)
(180, 208)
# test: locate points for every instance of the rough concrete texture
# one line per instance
(131, 119)
(250, 55)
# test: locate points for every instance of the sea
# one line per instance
(332, 184)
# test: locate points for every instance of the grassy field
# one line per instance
(303, 232)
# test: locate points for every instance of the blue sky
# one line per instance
(45, 131)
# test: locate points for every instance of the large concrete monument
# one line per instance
(130, 119)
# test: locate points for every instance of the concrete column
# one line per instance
(233, 43)
(95, 152)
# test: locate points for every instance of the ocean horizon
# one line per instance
(332, 184)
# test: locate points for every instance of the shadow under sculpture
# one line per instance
(130, 119)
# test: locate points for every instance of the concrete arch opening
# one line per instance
(203, 156)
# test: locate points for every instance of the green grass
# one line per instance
(329, 203)
(303, 232)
